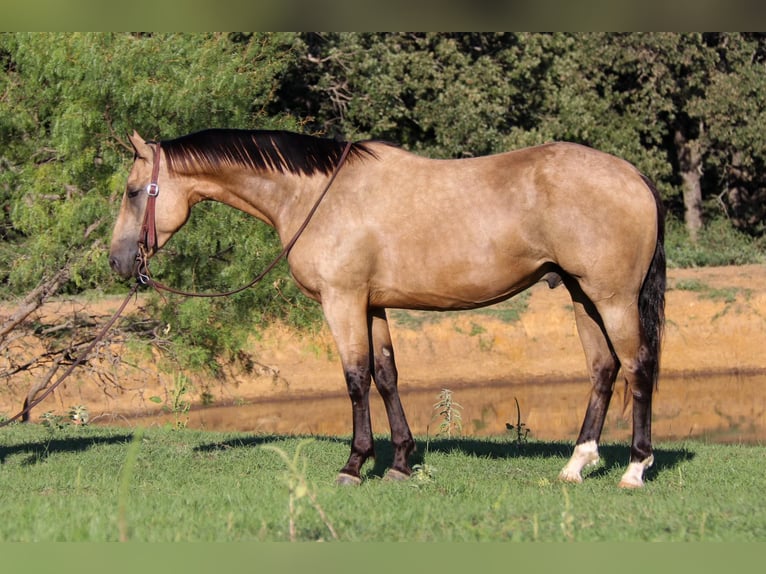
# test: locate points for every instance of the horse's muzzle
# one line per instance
(125, 265)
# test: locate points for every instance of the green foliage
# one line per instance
(67, 102)
(718, 243)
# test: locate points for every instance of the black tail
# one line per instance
(651, 302)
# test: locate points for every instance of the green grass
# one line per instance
(161, 484)
(726, 295)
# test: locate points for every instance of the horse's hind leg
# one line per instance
(638, 367)
(602, 367)
(385, 376)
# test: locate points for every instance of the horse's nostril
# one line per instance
(114, 263)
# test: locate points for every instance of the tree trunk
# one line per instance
(690, 166)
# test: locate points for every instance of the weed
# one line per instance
(178, 404)
(476, 329)
(423, 473)
(520, 431)
(449, 411)
(79, 415)
(298, 488)
(52, 421)
(413, 319)
(509, 311)
(206, 398)
(726, 295)
(694, 285)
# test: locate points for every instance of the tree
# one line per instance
(697, 97)
(682, 107)
(444, 95)
(67, 102)
(734, 111)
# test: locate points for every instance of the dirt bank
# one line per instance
(716, 323)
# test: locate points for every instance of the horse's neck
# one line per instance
(280, 200)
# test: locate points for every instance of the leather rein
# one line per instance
(147, 238)
(147, 246)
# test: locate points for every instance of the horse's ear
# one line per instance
(141, 148)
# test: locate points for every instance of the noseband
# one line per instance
(147, 238)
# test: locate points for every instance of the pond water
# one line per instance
(720, 408)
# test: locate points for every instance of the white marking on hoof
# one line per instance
(585, 454)
(344, 479)
(634, 476)
(397, 475)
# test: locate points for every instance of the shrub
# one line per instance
(718, 243)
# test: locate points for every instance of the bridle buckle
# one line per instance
(153, 189)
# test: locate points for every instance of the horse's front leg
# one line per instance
(362, 447)
(347, 319)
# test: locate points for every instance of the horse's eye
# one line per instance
(133, 193)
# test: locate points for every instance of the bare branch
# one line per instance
(33, 301)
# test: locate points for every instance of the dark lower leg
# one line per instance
(600, 397)
(641, 386)
(401, 437)
(383, 365)
(362, 447)
(641, 445)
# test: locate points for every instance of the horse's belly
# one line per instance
(453, 287)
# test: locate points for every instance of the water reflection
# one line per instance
(729, 408)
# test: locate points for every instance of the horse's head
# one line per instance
(171, 209)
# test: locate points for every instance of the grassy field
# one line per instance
(92, 483)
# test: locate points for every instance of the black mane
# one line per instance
(215, 149)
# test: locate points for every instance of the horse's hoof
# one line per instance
(634, 476)
(344, 479)
(569, 476)
(396, 475)
(584, 456)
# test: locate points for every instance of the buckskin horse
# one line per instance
(396, 230)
